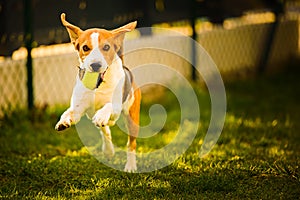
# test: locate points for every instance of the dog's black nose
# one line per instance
(95, 66)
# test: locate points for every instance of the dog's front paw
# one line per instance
(102, 116)
(66, 120)
(62, 125)
(101, 119)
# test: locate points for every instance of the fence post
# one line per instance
(270, 38)
(192, 4)
(28, 32)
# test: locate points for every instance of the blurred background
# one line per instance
(244, 38)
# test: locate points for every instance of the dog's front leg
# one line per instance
(68, 118)
(80, 102)
(65, 121)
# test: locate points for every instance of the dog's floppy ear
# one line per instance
(126, 28)
(73, 30)
(119, 34)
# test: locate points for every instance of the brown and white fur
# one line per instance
(100, 50)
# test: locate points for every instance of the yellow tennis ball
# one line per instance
(89, 79)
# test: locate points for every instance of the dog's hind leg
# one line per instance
(133, 119)
(107, 146)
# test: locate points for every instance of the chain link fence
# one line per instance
(235, 48)
(240, 49)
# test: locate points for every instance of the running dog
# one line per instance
(104, 87)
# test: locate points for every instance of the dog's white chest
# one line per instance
(109, 91)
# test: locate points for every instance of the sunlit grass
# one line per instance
(256, 156)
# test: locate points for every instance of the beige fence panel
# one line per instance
(241, 48)
(54, 79)
(13, 88)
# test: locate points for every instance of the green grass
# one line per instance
(256, 157)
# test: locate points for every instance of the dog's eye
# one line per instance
(85, 48)
(106, 47)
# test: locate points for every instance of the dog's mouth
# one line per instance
(102, 75)
(100, 79)
(86, 76)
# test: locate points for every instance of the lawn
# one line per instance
(256, 157)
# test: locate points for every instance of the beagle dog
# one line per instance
(104, 87)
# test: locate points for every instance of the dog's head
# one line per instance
(97, 48)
